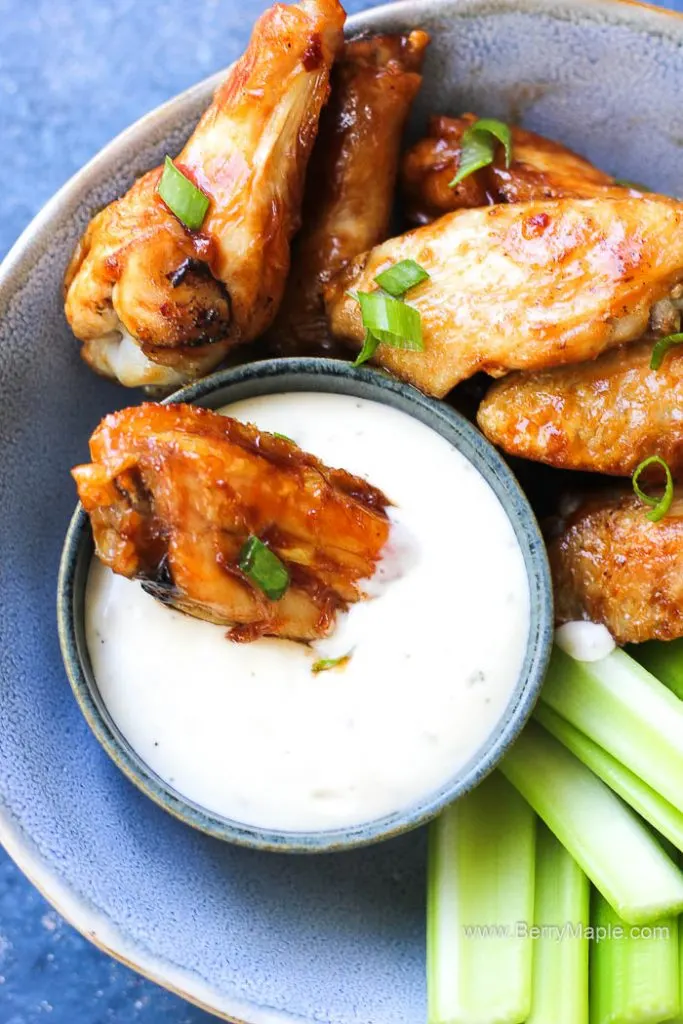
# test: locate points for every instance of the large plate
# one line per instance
(254, 936)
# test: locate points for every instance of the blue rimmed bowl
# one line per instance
(326, 376)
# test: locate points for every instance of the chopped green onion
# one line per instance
(182, 196)
(282, 437)
(370, 346)
(391, 321)
(608, 841)
(478, 147)
(636, 185)
(559, 993)
(480, 886)
(660, 506)
(661, 348)
(626, 711)
(325, 664)
(263, 568)
(634, 972)
(662, 660)
(642, 798)
(400, 278)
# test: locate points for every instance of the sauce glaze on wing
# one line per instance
(173, 492)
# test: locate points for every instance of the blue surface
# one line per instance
(71, 76)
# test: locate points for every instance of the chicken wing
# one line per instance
(157, 304)
(351, 179)
(611, 565)
(605, 416)
(524, 286)
(540, 169)
(174, 492)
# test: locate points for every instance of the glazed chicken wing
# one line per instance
(524, 286)
(157, 304)
(605, 416)
(174, 492)
(540, 169)
(612, 565)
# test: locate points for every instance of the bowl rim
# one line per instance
(322, 376)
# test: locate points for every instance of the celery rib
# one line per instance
(559, 993)
(664, 660)
(610, 843)
(480, 885)
(634, 977)
(650, 805)
(628, 712)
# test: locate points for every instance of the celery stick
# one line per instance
(628, 712)
(634, 971)
(559, 993)
(613, 846)
(664, 659)
(480, 885)
(654, 808)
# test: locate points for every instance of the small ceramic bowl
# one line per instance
(320, 375)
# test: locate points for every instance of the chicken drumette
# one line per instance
(157, 304)
(174, 492)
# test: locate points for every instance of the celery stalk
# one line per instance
(634, 972)
(480, 885)
(628, 712)
(613, 846)
(654, 808)
(664, 659)
(559, 993)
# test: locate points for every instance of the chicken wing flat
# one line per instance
(351, 179)
(525, 286)
(604, 416)
(612, 565)
(174, 493)
(540, 169)
(157, 304)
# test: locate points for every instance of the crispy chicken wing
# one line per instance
(156, 304)
(351, 178)
(612, 565)
(525, 286)
(174, 492)
(604, 416)
(540, 169)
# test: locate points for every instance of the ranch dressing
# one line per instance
(249, 731)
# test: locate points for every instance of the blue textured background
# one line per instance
(73, 73)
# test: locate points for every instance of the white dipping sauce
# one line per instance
(249, 731)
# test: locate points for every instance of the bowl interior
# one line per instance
(263, 938)
(288, 375)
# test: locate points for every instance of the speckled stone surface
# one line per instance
(72, 74)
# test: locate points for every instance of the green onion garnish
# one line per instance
(660, 506)
(478, 147)
(637, 185)
(327, 663)
(282, 437)
(391, 321)
(182, 196)
(263, 568)
(368, 350)
(400, 278)
(662, 347)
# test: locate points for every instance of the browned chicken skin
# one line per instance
(173, 492)
(540, 169)
(351, 179)
(524, 286)
(604, 416)
(182, 299)
(612, 565)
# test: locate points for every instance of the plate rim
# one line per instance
(73, 906)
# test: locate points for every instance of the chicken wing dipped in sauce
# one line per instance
(177, 496)
(540, 169)
(604, 416)
(157, 304)
(351, 179)
(524, 286)
(613, 566)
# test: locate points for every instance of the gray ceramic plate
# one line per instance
(256, 936)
